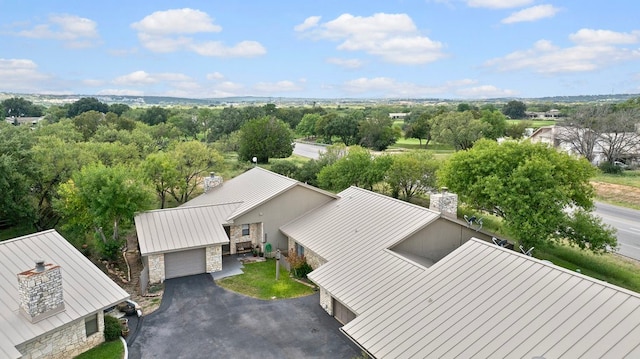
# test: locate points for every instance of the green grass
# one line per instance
(259, 281)
(626, 178)
(535, 123)
(414, 144)
(17, 231)
(106, 350)
(607, 267)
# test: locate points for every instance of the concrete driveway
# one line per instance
(198, 319)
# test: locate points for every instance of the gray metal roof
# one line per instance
(167, 230)
(483, 301)
(86, 289)
(251, 188)
(353, 234)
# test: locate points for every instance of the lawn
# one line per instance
(626, 178)
(259, 281)
(535, 123)
(414, 144)
(106, 350)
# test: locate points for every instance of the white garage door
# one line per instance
(183, 263)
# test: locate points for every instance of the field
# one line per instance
(622, 190)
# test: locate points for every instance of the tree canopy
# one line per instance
(264, 138)
(459, 129)
(514, 109)
(19, 107)
(411, 174)
(86, 104)
(542, 195)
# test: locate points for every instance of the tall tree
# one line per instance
(162, 170)
(581, 132)
(103, 199)
(194, 159)
(378, 133)
(119, 108)
(155, 115)
(358, 168)
(86, 104)
(621, 136)
(16, 172)
(514, 109)
(497, 121)
(345, 127)
(265, 138)
(411, 174)
(419, 128)
(87, 123)
(532, 187)
(459, 129)
(307, 126)
(19, 107)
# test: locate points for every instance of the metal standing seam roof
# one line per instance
(251, 188)
(167, 230)
(86, 289)
(353, 234)
(483, 301)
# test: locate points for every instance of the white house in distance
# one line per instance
(52, 298)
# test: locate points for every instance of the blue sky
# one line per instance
(456, 49)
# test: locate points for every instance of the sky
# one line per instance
(448, 49)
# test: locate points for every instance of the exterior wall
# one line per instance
(282, 209)
(235, 232)
(326, 301)
(214, 258)
(314, 260)
(156, 268)
(65, 342)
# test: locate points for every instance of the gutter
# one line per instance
(356, 343)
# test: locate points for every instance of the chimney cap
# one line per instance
(39, 265)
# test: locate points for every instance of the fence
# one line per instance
(144, 280)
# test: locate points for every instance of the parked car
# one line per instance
(622, 165)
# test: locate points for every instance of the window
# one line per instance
(245, 230)
(299, 249)
(91, 324)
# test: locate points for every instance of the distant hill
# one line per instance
(47, 100)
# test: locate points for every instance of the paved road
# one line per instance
(309, 151)
(198, 319)
(627, 222)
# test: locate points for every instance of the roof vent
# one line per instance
(39, 265)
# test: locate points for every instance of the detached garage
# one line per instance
(184, 263)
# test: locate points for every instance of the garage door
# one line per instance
(183, 263)
(342, 313)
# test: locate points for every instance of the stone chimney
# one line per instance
(40, 291)
(444, 202)
(211, 181)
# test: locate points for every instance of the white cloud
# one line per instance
(170, 30)
(593, 49)
(311, 21)
(533, 13)
(74, 31)
(392, 37)
(21, 75)
(498, 4)
(604, 37)
(346, 63)
(215, 76)
(277, 87)
(121, 92)
(485, 91)
(176, 21)
(92, 82)
(143, 78)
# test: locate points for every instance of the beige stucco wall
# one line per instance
(214, 258)
(65, 342)
(282, 209)
(438, 239)
(156, 268)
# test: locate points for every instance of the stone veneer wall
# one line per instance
(214, 258)
(314, 260)
(445, 203)
(156, 268)
(326, 301)
(40, 293)
(65, 342)
(235, 232)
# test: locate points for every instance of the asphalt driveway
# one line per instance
(198, 319)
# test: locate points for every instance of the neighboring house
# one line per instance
(555, 136)
(247, 210)
(20, 121)
(551, 114)
(52, 298)
(407, 282)
(398, 115)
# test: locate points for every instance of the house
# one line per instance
(551, 114)
(398, 115)
(244, 212)
(407, 282)
(52, 298)
(20, 121)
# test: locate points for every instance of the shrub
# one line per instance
(112, 328)
(299, 266)
(608, 167)
(109, 250)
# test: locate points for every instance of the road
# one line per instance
(627, 222)
(307, 150)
